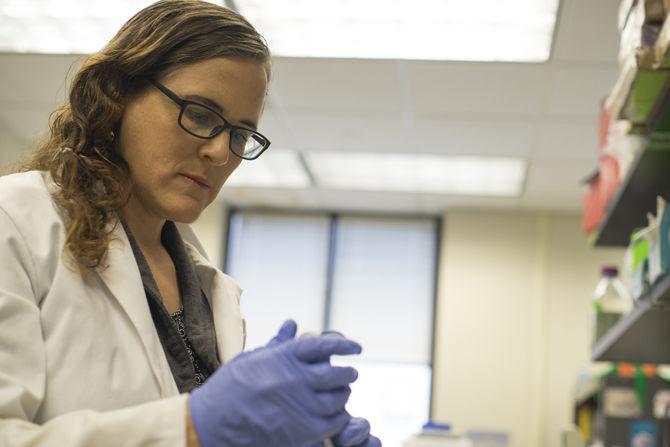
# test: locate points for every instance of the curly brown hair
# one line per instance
(79, 151)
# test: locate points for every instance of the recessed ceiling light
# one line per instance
(468, 30)
(419, 173)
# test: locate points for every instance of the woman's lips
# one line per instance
(197, 180)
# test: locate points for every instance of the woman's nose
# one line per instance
(217, 150)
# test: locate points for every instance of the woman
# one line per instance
(114, 327)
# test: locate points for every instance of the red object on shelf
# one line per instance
(602, 187)
(603, 128)
(603, 184)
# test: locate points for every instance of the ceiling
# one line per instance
(545, 113)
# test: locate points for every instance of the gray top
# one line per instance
(187, 336)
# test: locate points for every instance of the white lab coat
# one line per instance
(81, 363)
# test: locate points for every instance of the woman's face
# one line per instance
(164, 159)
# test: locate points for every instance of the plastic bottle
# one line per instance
(611, 301)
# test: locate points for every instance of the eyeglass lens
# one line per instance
(205, 123)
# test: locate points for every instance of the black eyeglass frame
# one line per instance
(183, 103)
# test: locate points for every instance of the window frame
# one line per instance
(333, 218)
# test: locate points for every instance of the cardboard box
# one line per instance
(654, 10)
(639, 39)
(648, 11)
(646, 58)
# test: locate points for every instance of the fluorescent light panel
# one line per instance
(468, 30)
(421, 173)
(276, 168)
(62, 26)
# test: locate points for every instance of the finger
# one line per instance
(324, 377)
(320, 348)
(329, 426)
(328, 403)
(286, 332)
(354, 434)
(372, 441)
(333, 334)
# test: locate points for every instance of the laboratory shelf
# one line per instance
(628, 209)
(642, 335)
(589, 391)
(641, 97)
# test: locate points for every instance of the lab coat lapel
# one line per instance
(223, 295)
(122, 278)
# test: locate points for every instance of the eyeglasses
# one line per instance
(204, 122)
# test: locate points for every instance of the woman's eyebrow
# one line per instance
(214, 105)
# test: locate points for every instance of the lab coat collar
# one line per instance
(122, 277)
(228, 322)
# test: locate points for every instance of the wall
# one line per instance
(211, 228)
(512, 327)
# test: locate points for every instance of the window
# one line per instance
(371, 278)
(280, 262)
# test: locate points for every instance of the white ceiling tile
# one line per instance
(26, 122)
(453, 135)
(336, 83)
(587, 31)
(556, 182)
(274, 126)
(331, 129)
(38, 77)
(429, 133)
(11, 147)
(573, 140)
(10, 90)
(578, 91)
(482, 88)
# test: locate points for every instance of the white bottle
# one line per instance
(611, 301)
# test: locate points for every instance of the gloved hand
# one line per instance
(355, 434)
(357, 431)
(283, 394)
(286, 332)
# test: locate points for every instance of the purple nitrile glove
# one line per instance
(283, 394)
(355, 434)
(357, 431)
(286, 332)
